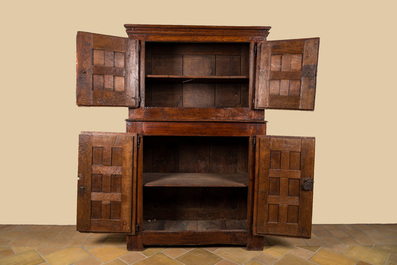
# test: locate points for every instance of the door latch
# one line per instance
(307, 184)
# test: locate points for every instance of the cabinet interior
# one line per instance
(201, 75)
(195, 183)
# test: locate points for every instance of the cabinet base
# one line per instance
(185, 238)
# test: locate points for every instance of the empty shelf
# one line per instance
(188, 78)
(194, 180)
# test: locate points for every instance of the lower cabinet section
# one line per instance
(190, 190)
(195, 184)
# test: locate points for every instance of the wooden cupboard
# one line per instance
(195, 166)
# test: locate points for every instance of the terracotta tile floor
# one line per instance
(330, 244)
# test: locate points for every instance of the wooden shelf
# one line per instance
(194, 180)
(194, 225)
(185, 78)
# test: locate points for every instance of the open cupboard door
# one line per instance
(107, 182)
(107, 70)
(284, 170)
(286, 74)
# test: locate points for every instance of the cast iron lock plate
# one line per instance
(307, 184)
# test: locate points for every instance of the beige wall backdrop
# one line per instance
(354, 120)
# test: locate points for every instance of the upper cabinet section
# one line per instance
(107, 70)
(197, 75)
(168, 70)
(286, 74)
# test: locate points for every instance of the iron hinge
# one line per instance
(255, 49)
(138, 142)
(139, 47)
(254, 141)
(136, 228)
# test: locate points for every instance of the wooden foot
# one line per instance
(255, 242)
(134, 243)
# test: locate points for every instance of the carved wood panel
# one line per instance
(283, 207)
(107, 70)
(286, 74)
(107, 173)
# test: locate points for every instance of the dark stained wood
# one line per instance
(204, 172)
(306, 197)
(196, 33)
(165, 64)
(231, 95)
(282, 207)
(229, 65)
(194, 91)
(197, 59)
(251, 182)
(164, 95)
(195, 225)
(286, 74)
(195, 203)
(132, 79)
(224, 158)
(107, 70)
(262, 75)
(165, 77)
(197, 94)
(199, 65)
(99, 196)
(196, 155)
(309, 69)
(165, 156)
(204, 75)
(105, 189)
(193, 38)
(194, 180)
(196, 128)
(199, 48)
(196, 114)
(135, 242)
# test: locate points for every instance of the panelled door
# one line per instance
(284, 186)
(107, 182)
(286, 74)
(107, 70)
